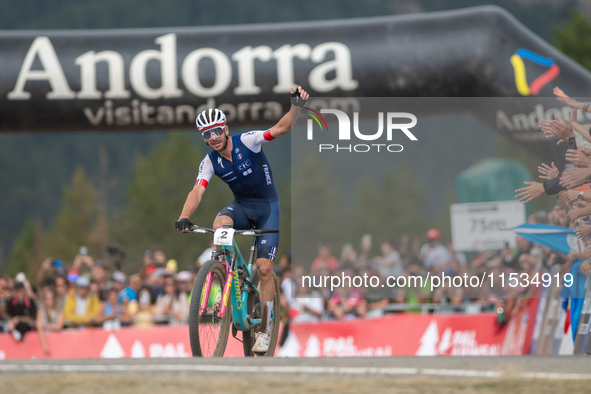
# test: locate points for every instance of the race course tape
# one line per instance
(462, 373)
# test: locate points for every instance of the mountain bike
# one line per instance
(227, 277)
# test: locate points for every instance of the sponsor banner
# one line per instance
(159, 78)
(519, 334)
(394, 335)
(410, 334)
(154, 342)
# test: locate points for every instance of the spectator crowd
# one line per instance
(408, 258)
(90, 294)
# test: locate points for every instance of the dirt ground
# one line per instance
(181, 383)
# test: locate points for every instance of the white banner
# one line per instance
(482, 225)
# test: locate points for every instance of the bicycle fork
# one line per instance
(225, 291)
(231, 288)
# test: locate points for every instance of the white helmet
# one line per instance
(209, 119)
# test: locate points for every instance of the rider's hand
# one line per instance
(299, 97)
(183, 224)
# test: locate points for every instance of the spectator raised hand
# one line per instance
(575, 177)
(558, 128)
(532, 191)
(585, 268)
(571, 196)
(578, 158)
(548, 172)
(565, 99)
(583, 231)
(576, 213)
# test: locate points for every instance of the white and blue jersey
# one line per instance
(250, 178)
(248, 174)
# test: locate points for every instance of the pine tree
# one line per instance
(316, 209)
(390, 208)
(27, 253)
(76, 219)
(157, 193)
(573, 38)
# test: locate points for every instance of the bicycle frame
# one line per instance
(238, 297)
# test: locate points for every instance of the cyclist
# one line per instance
(241, 163)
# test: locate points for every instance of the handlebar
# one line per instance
(252, 232)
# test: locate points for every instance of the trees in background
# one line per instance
(385, 207)
(156, 196)
(109, 14)
(316, 207)
(75, 226)
(159, 186)
(573, 38)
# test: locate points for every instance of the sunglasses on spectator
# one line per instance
(209, 134)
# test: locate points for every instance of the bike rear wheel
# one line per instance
(208, 331)
(254, 308)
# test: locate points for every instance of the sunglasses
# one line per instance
(209, 134)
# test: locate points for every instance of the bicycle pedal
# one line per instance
(257, 313)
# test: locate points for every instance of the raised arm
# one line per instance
(571, 102)
(557, 128)
(583, 130)
(283, 127)
(575, 177)
(576, 213)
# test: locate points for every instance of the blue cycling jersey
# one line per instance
(249, 174)
(251, 181)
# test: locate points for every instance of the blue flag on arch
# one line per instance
(562, 240)
(558, 239)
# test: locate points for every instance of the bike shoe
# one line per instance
(262, 343)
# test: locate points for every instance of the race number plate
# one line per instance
(223, 236)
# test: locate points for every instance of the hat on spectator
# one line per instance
(184, 276)
(119, 277)
(150, 269)
(82, 281)
(433, 233)
(18, 285)
(171, 266)
(73, 274)
(161, 272)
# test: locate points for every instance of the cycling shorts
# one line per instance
(259, 215)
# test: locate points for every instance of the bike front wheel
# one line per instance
(208, 331)
(254, 308)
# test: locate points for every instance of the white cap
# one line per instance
(82, 281)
